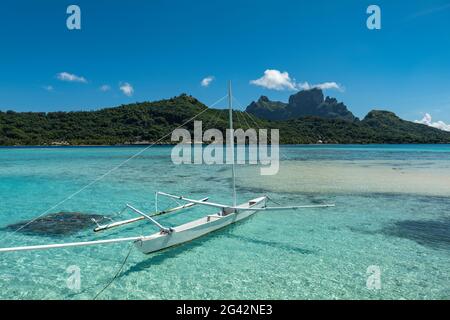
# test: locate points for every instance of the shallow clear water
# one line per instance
(393, 212)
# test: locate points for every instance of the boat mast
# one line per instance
(231, 141)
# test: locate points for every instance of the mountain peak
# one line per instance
(303, 103)
(263, 99)
(377, 114)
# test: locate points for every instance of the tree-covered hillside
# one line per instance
(147, 122)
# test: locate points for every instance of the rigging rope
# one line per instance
(270, 199)
(243, 115)
(281, 152)
(239, 116)
(217, 117)
(117, 273)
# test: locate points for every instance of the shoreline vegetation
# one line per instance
(146, 122)
(205, 144)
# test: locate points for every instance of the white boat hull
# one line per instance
(197, 228)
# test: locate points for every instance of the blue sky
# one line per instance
(162, 48)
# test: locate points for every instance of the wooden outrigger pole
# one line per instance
(158, 213)
(70, 244)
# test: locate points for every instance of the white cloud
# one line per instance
(427, 120)
(276, 80)
(207, 81)
(48, 88)
(126, 89)
(105, 88)
(70, 77)
(322, 86)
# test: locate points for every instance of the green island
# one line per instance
(147, 122)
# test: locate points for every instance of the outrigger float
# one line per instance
(171, 236)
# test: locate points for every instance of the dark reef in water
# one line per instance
(431, 233)
(56, 224)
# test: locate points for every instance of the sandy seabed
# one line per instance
(348, 177)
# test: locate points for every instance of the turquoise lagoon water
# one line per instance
(398, 221)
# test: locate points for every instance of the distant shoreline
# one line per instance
(173, 144)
